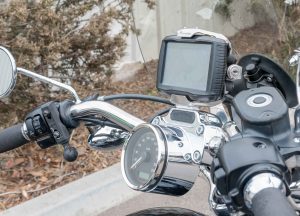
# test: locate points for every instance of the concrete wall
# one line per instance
(171, 15)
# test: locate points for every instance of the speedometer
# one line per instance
(144, 157)
(161, 159)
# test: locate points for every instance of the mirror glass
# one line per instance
(8, 72)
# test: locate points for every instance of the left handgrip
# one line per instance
(11, 138)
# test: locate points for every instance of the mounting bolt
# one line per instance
(187, 157)
(47, 114)
(269, 79)
(56, 134)
(197, 156)
(200, 130)
(155, 121)
(180, 144)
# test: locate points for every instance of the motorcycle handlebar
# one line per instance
(109, 111)
(11, 138)
(271, 201)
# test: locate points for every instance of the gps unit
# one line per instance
(193, 65)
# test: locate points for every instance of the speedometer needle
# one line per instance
(138, 161)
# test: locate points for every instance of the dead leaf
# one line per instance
(43, 179)
(25, 194)
(9, 164)
(19, 161)
(15, 174)
(36, 173)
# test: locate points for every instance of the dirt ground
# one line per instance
(28, 172)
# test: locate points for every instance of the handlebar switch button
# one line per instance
(39, 125)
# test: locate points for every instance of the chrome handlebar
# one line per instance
(109, 111)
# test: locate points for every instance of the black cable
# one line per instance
(138, 41)
(136, 97)
(161, 112)
(94, 121)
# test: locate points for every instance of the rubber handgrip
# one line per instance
(271, 201)
(11, 138)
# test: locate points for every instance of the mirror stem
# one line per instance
(297, 77)
(50, 81)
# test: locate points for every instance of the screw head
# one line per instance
(56, 134)
(200, 130)
(269, 79)
(47, 114)
(155, 121)
(187, 157)
(197, 156)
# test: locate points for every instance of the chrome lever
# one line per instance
(295, 60)
(107, 138)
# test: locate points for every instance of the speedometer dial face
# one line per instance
(142, 157)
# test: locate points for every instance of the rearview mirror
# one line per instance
(8, 72)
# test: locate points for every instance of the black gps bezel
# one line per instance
(216, 73)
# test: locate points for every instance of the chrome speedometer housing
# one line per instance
(169, 166)
(144, 157)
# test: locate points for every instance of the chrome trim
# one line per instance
(161, 160)
(184, 153)
(190, 32)
(295, 205)
(177, 168)
(25, 132)
(230, 129)
(50, 81)
(107, 138)
(295, 186)
(109, 111)
(234, 72)
(216, 207)
(295, 60)
(182, 102)
(260, 182)
(184, 143)
(14, 75)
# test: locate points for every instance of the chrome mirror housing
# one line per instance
(8, 72)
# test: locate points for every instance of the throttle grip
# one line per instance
(11, 138)
(271, 201)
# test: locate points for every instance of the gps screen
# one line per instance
(187, 65)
